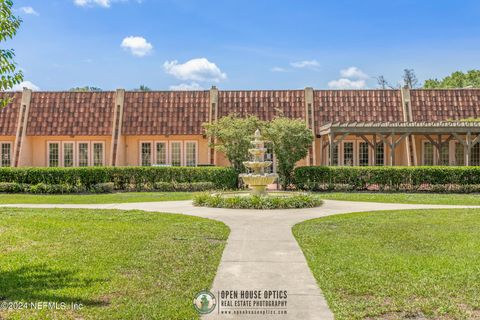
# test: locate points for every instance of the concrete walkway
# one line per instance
(261, 253)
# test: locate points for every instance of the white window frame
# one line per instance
(424, 142)
(11, 152)
(185, 151)
(182, 163)
(342, 155)
(152, 151)
(369, 151)
(91, 151)
(59, 143)
(74, 153)
(167, 149)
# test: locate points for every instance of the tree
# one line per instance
(232, 136)
(409, 78)
(9, 24)
(143, 88)
(291, 140)
(383, 83)
(458, 79)
(85, 89)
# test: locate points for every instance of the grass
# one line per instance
(122, 197)
(415, 198)
(118, 264)
(397, 264)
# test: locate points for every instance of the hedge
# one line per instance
(296, 200)
(428, 179)
(123, 178)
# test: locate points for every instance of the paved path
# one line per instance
(261, 252)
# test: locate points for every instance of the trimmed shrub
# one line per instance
(299, 200)
(104, 187)
(123, 178)
(404, 179)
(12, 187)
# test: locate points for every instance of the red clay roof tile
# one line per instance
(9, 114)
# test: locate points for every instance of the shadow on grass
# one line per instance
(39, 283)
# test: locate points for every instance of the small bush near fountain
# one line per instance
(291, 201)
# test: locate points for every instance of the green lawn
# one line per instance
(397, 264)
(118, 264)
(122, 197)
(416, 198)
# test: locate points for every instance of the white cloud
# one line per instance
(100, 3)
(28, 10)
(186, 86)
(138, 46)
(344, 83)
(353, 72)
(85, 3)
(199, 69)
(310, 64)
(278, 69)
(25, 84)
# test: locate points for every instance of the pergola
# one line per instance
(392, 133)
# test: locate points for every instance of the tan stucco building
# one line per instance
(351, 127)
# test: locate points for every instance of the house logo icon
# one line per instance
(204, 302)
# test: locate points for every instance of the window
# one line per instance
(83, 154)
(459, 154)
(98, 154)
(53, 154)
(161, 153)
(335, 156)
(68, 156)
(268, 156)
(427, 153)
(146, 154)
(363, 154)
(380, 154)
(475, 155)
(191, 153)
(176, 153)
(6, 155)
(444, 155)
(348, 153)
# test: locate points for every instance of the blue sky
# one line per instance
(248, 44)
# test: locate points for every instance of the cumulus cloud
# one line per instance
(138, 46)
(278, 69)
(344, 83)
(186, 86)
(353, 72)
(28, 10)
(309, 64)
(101, 3)
(199, 69)
(350, 78)
(25, 84)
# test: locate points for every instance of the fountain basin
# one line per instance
(258, 182)
(256, 165)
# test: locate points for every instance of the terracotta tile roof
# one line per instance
(441, 105)
(265, 104)
(9, 114)
(165, 112)
(357, 105)
(71, 113)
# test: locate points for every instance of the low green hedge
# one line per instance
(123, 178)
(104, 187)
(427, 179)
(299, 200)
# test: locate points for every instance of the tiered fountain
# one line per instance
(258, 180)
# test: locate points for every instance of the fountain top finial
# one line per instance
(258, 134)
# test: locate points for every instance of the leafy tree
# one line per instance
(85, 89)
(232, 136)
(9, 24)
(143, 88)
(291, 140)
(458, 79)
(409, 78)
